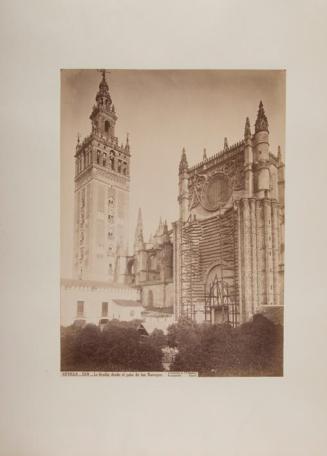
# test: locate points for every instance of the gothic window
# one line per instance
(80, 309)
(104, 309)
(104, 160)
(119, 166)
(110, 234)
(98, 157)
(150, 298)
(110, 268)
(110, 218)
(106, 126)
(125, 169)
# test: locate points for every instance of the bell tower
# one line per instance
(101, 196)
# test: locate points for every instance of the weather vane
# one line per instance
(103, 72)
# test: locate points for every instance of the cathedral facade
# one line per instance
(229, 239)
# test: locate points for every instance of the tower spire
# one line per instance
(261, 124)
(103, 97)
(225, 143)
(205, 154)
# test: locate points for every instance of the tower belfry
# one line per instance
(101, 195)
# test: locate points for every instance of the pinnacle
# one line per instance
(247, 129)
(183, 165)
(261, 123)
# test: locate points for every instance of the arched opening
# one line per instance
(220, 299)
(107, 126)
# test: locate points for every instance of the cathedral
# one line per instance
(220, 262)
(229, 239)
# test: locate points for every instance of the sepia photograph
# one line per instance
(157, 300)
(172, 222)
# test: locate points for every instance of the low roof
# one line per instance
(127, 303)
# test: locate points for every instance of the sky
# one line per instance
(163, 111)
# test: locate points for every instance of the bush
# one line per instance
(253, 349)
(118, 347)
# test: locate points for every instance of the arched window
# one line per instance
(98, 157)
(150, 298)
(104, 160)
(106, 126)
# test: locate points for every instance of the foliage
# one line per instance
(117, 347)
(254, 348)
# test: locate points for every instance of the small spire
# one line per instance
(139, 240)
(261, 124)
(127, 139)
(225, 143)
(78, 139)
(247, 129)
(183, 165)
(165, 233)
(205, 154)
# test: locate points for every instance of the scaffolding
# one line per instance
(220, 292)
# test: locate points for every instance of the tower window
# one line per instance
(106, 126)
(104, 312)
(98, 157)
(119, 166)
(104, 160)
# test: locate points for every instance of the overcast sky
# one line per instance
(163, 111)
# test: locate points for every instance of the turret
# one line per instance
(248, 158)
(183, 197)
(261, 148)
